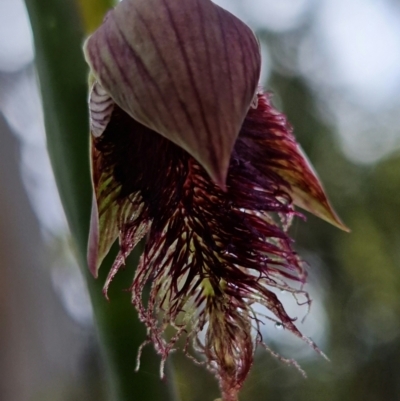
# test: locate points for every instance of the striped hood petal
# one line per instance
(187, 69)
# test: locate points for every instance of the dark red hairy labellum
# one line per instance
(210, 255)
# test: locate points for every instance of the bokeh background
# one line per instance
(333, 67)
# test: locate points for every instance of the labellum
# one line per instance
(188, 152)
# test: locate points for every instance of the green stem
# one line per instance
(58, 36)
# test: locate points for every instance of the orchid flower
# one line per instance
(188, 153)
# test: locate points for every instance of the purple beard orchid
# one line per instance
(188, 153)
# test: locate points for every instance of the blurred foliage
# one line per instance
(92, 12)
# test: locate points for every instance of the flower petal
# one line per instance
(308, 193)
(287, 159)
(186, 69)
(101, 107)
(113, 212)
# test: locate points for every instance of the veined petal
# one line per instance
(307, 191)
(101, 107)
(187, 69)
(287, 159)
(114, 212)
